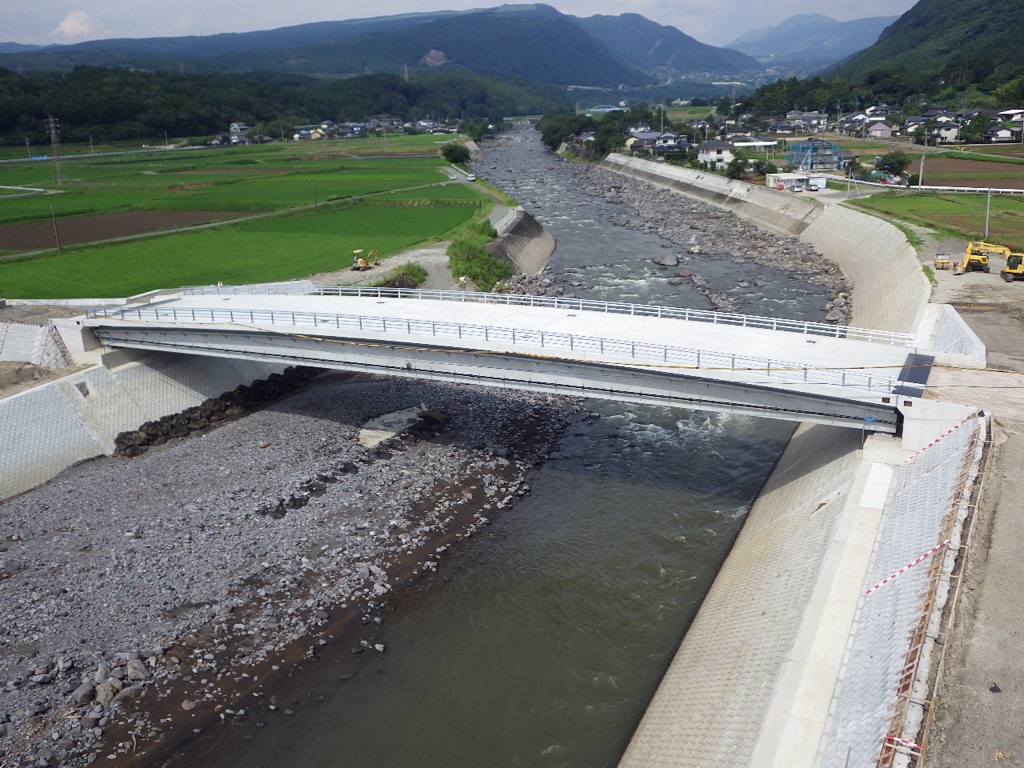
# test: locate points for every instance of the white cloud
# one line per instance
(79, 25)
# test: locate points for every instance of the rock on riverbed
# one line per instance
(172, 575)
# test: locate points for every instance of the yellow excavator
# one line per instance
(1014, 268)
(976, 256)
(360, 264)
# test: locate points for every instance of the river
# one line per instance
(542, 641)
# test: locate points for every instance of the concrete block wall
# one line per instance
(915, 521)
(48, 428)
(18, 342)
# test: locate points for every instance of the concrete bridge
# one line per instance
(808, 372)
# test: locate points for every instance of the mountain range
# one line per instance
(962, 42)
(812, 40)
(533, 42)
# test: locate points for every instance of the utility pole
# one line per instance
(58, 166)
(988, 209)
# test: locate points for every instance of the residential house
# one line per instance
(715, 153)
(641, 141)
(879, 130)
(945, 133)
(670, 142)
(998, 134)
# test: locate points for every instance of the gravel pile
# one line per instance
(135, 586)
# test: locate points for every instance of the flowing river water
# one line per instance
(546, 637)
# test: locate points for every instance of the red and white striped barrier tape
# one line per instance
(906, 568)
(904, 742)
(947, 433)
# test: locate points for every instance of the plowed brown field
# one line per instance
(969, 173)
(39, 235)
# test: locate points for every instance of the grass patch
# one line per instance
(468, 256)
(929, 273)
(405, 276)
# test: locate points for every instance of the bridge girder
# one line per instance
(516, 371)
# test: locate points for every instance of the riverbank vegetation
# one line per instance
(468, 257)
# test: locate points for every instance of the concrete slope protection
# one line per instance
(813, 646)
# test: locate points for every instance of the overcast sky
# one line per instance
(68, 21)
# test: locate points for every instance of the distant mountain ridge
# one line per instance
(649, 46)
(813, 39)
(533, 42)
(935, 35)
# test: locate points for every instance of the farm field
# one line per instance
(947, 171)
(300, 208)
(961, 214)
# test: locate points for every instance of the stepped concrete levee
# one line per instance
(524, 242)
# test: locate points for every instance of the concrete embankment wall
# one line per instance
(48, 428)
(890, 291)
(788, 664)
(524, 242)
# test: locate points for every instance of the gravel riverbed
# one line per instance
(143, 597)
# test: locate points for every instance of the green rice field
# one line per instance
(299, 209)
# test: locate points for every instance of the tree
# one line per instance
(895, 162)
(974, 131)
(455, 153)
(737, 167)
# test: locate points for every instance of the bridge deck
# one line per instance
(621, 356)
(758, 353)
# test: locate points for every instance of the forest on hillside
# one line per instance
(113, 104)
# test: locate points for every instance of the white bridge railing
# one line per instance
(525, 341)
(622, 308)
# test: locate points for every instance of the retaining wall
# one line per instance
(48, 428)
(525, 243)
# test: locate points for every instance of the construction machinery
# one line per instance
(360, 264)
(976, 256)
(1014, 268)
